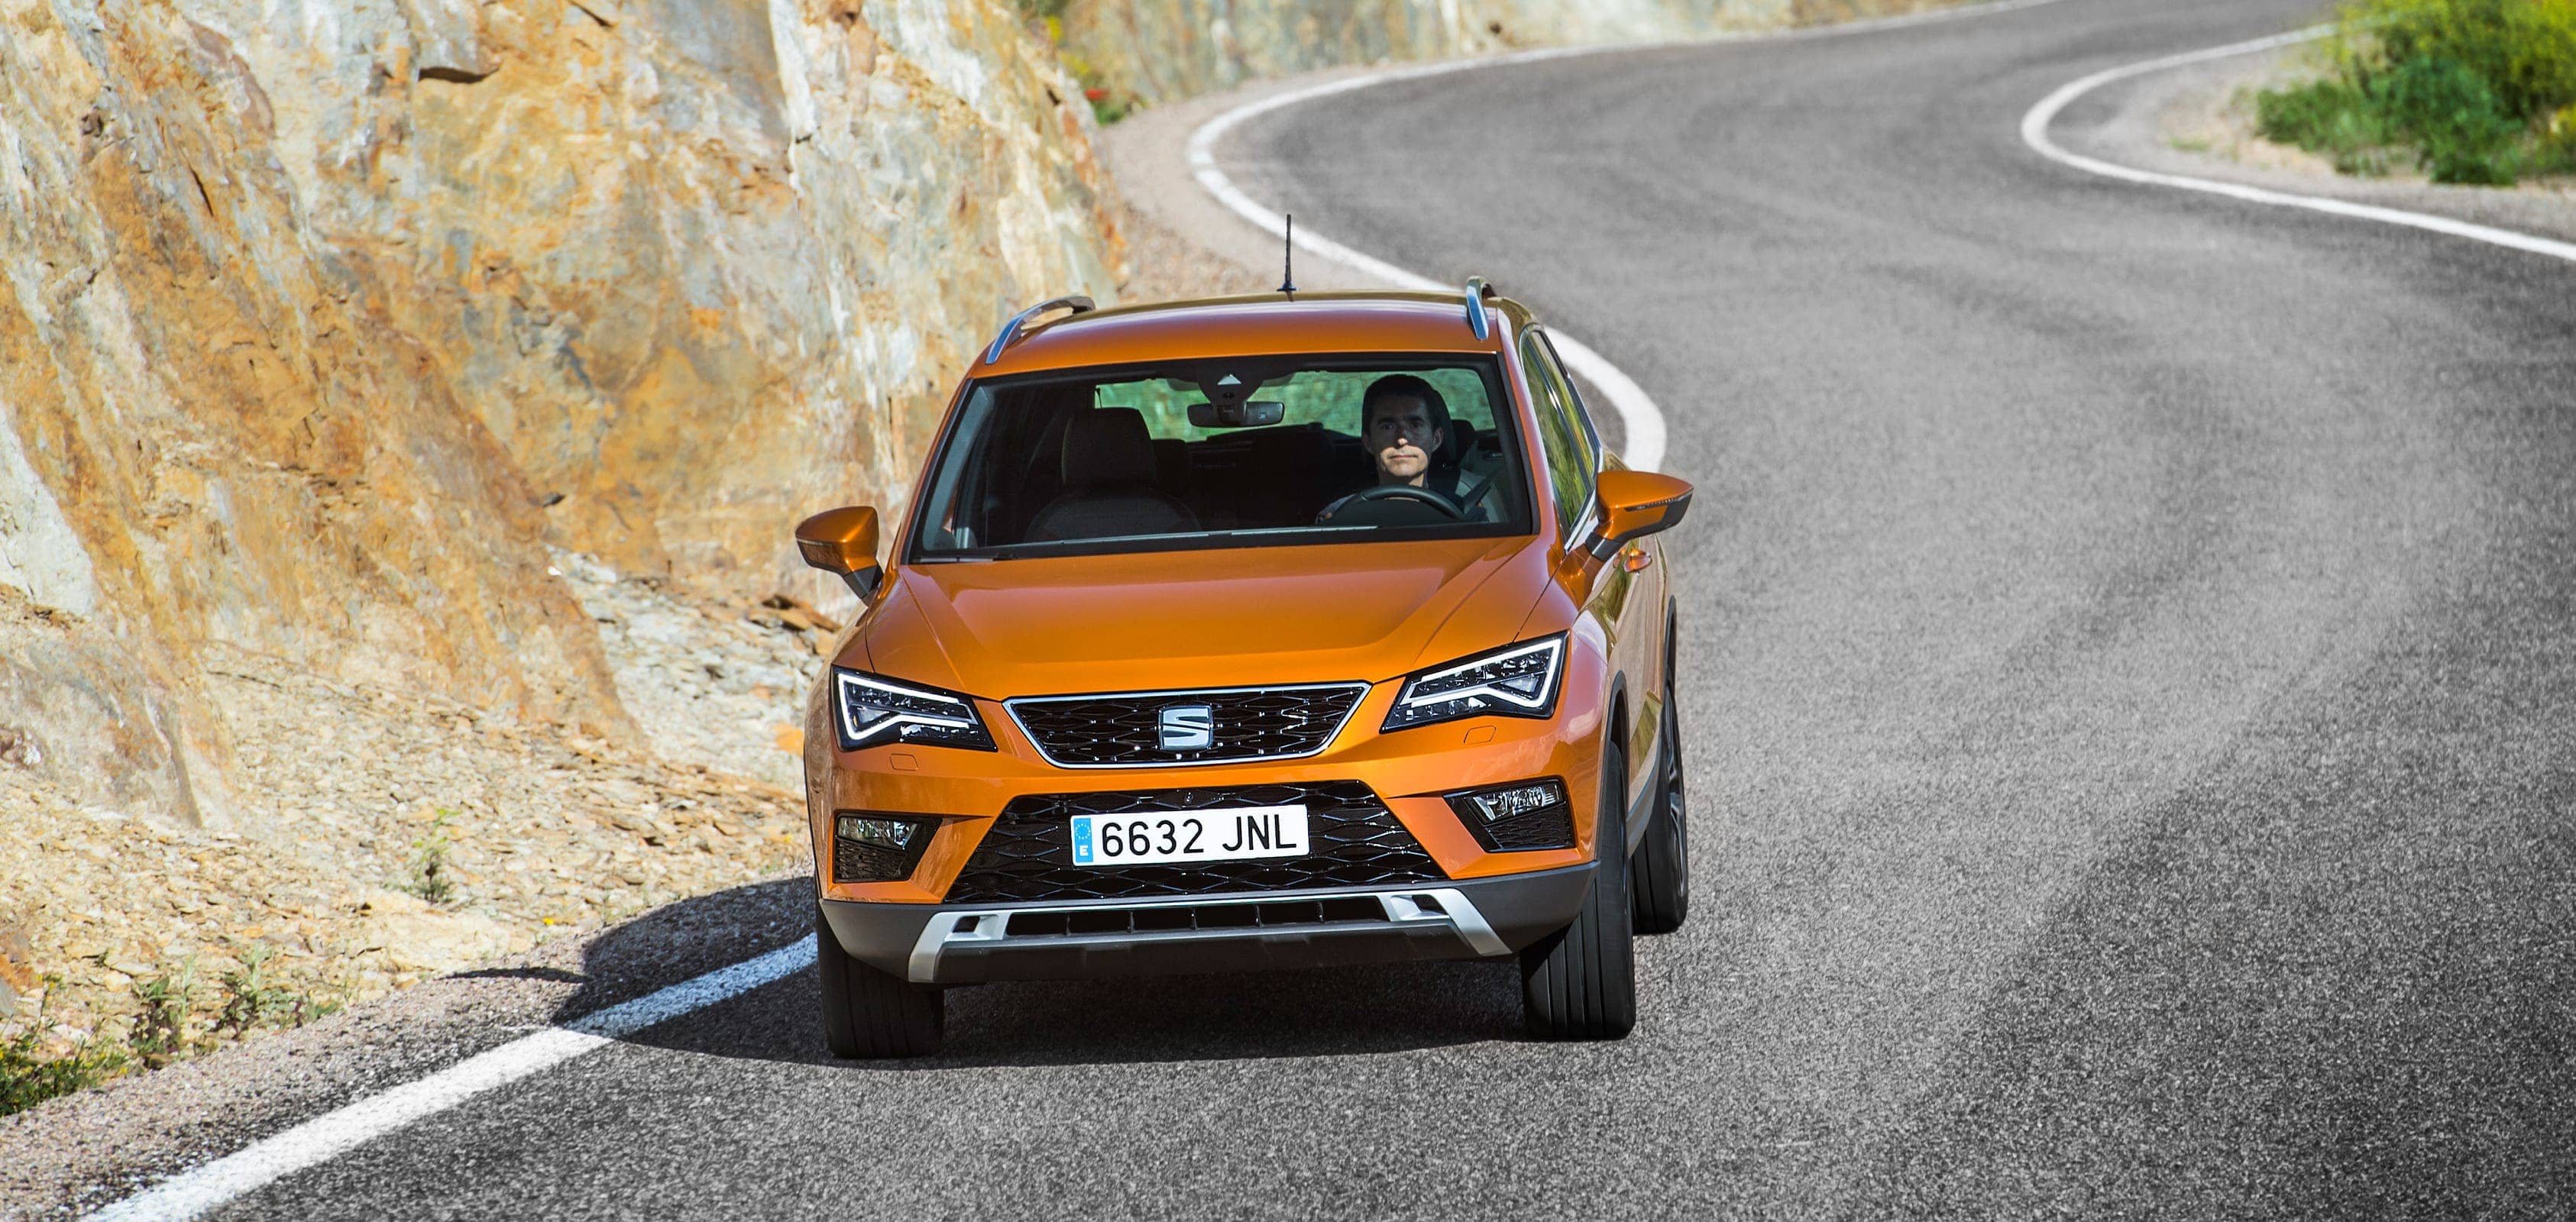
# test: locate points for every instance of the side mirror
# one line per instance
(1635, 504)
(843, 541)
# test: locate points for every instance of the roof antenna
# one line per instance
(1288, 258)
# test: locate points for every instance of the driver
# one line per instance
(1403, 420)
(1403, 423)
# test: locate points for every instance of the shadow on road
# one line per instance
(1325, 1012)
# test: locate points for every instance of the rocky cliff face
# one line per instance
(324, 319)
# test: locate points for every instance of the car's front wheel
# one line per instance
(1580, 983)
(1660, 872)
(869, 1013)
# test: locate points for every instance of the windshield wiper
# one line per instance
(1078, 547)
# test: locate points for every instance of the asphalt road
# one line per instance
(2131, 656)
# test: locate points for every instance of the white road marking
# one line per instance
(2034, 132)
(198, 1192)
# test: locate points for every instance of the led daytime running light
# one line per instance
(1417, 697)
(1516, 681)
(870, 709)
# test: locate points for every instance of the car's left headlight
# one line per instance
(1514, 681)
(872, 711)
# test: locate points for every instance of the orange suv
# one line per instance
(1259, 632)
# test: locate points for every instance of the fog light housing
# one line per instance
(1518, 817)
(874, 848)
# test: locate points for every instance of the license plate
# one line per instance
(1236, 833)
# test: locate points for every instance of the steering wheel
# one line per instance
(1401, 492)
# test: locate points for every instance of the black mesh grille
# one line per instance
(1027, 856)
(1548, 827)
(857, 861)
(1277, 914)
(1262, 723)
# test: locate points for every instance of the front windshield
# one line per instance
(1241, 451)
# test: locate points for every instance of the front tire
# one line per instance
(1580, 983)
(871, 1014)
(1662, 866)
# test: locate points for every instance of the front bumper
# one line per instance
(1409, 771)
(1451, 919)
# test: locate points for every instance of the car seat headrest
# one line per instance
(1108, 445)
(1171, 462)
(1460, 441)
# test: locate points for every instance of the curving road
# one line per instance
(2132, 687)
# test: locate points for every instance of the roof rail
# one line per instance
(1011, 329)
(1477, 293)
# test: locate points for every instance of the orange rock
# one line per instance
(314, 346)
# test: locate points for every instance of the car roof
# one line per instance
(1266, 323)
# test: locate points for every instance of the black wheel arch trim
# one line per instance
(1632, 804)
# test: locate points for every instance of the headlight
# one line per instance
(1514, 681)
(873, 711)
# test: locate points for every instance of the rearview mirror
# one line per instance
(1635, 504)
(1248, 415)
(843, 541)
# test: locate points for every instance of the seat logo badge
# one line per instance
(1187, 727)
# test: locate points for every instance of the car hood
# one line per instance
(1183, 619)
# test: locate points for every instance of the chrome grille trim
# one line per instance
(1401, 907)
(1359, 695)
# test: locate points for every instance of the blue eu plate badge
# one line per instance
(1082, 840)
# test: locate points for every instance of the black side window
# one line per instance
(1574, 395)
(1562, 435)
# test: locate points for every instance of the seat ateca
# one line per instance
(1251, 633)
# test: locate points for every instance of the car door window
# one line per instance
(1571, 462)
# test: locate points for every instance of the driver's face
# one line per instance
(1401, 435)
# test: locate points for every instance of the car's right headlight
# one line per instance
(872, 710)
(1514, 681)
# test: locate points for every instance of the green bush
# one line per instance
(2455, 116)
(2328, 117)
(2476, 91)
(29, 1077)
(2524, 50)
